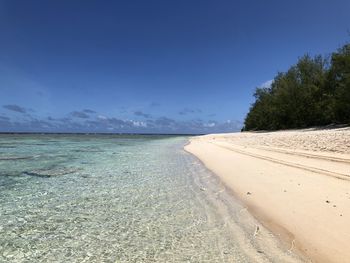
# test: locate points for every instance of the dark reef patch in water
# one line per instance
(52, 172)
(87, 150)
(13, 158)
(7, 146)
(10, 174)
(84, 162)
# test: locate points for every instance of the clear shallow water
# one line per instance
(85, 198)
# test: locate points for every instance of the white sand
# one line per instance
(297, 183)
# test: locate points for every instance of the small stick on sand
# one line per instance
(256, 230)
(291, 248)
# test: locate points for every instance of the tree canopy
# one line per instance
(315, 91)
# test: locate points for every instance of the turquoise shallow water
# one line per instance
(104, 198)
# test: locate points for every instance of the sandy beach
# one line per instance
(296, 183)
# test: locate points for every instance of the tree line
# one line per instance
(313, 92)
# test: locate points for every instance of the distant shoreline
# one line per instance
(294, 182)
(101, 133)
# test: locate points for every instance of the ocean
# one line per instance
(120, 198)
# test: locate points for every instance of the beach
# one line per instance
(296, 183)
(121, 198)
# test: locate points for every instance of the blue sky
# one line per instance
(151, 66)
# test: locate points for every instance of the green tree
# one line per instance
(295, 98)
(310, 93)
(339, 84)
(259, 115)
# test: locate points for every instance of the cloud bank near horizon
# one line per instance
(17, 119)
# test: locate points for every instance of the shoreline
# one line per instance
(296, 183)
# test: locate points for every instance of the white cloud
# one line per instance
(209, 125)
(139, 123)
(101, 117)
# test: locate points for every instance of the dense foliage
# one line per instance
(315, 91)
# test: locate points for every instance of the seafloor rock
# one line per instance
(85, 150)
(52, 172)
